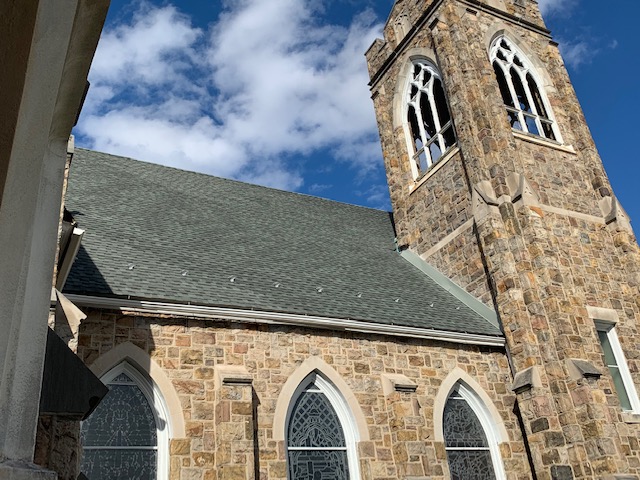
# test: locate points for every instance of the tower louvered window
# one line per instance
(428, 118)
(522, 98)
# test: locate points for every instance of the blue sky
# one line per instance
(275, 91)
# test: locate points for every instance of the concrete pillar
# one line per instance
(51, 44)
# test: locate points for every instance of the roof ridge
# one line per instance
(232, 180)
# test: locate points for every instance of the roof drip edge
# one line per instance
(276, 318)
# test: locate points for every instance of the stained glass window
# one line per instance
(316, 445)
(428, 118)
(521, 96)
(468, 449)
(120, 438)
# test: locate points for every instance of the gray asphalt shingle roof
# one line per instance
(159, 233)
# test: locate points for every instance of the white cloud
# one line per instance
(576, 54)
(266, 83)
(549, 7)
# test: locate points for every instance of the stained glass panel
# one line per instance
(122, 378)
(461, 425)
(466, 442)
(120, 439)
(428, 117)
(123, 418)
(316, 441)
(318, 465)
(470, 465)
(314, 423)
(120, 464)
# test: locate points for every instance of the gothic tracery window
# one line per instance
(471, 453)
(522, 98)
(319, 444)
(125, 435)
(428, 118)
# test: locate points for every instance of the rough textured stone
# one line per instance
(540, 255)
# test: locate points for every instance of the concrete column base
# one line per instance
(15, 471)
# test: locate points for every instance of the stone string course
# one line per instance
(224, 425)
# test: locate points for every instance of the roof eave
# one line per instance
(279, 318)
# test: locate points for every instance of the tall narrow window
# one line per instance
(126, 435)
(320, 440)
(617, 364)
(428, 119)
(472, 450)
(521, 95)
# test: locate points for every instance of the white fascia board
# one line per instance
(277, 318)
(69, 257)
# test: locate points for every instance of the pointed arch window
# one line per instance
(321, 438)
(429, 125)
(471, 445)
(526, 107)
(126, 436)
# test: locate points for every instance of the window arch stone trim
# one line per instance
(542, 84)
(138, 358)
(430, 106)
(290, 389)
(483, 407)
(457, 376)
(410, 56)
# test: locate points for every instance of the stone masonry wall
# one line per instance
(219, 443)
(547, 251)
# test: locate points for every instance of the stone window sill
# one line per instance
(543, 141)
(420, 180)
(631, 417)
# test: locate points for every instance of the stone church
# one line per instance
(486, 329)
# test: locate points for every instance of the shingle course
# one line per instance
(159, 233)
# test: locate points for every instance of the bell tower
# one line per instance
(496, 181)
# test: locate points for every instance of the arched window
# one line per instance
(525, 104)
(429, 123)
(471, 445)
(321, 438)
(127, 434)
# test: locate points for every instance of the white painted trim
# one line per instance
(449, 154)
(278, 318)
(160, 411)
(528, 67)
(456, 376)
(621, 360)
(69, 257)
(346, 418)
(489, 427)
(407, 79)
(482, 406)
(309, 366)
